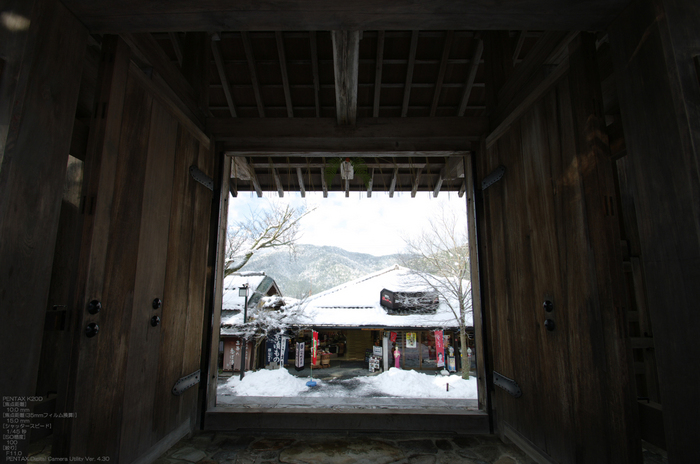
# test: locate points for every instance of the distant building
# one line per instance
(259, 286)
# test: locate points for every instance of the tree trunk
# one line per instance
(255, 353)
(465, 361)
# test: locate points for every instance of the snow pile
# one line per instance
(412, 384)
(277, 382)
(393, 383)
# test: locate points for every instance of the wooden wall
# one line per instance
(42, 46)
(656, 52)
(550, 233)
(145, 236)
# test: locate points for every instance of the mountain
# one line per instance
(315, 268)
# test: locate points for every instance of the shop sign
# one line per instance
(377, 351)
(314, 347)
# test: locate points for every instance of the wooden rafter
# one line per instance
(347, 188)
(346, 51)
(443, 68)
(283, 69)
(314, 70)
(278, 181)
(462, 188)
(519, 46)
(324, 186)
(254, 181)
(409, 73)
(369, 184)
(469, 83)
(392, 187)
(378, 75)
(253, 72)
(300, 178)
(438, 184)
(416, 182)
(175, 41)
(216, 52)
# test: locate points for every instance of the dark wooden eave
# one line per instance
(108, 16)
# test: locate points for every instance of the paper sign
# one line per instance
(410, 340)
(377, 351)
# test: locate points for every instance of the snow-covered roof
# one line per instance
(258, 283)
(356, 303)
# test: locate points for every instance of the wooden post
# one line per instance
(655, 47)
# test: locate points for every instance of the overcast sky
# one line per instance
(365, 225)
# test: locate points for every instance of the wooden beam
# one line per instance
(547, 48)
(519, 46)
(369, 134)
(392, 187)
(148, 49)
(409, 73)
(300, 178)
(314, 70)
(256, 184)
(469, 83)
(278, 182)
(378, 73)
(416, 182)
(369, 184)
(462, 189)
(347, 188)
(441, 74)
(175, 41)
(216, 52)
(524, 100)
(346, 51)
(253, 72)
(438, 184)
(283, 68)
(104, 16)
(380, 165)
(324, 186)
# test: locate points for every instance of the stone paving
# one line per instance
(223, 448)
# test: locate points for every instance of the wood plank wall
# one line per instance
(42, 65)
(550, 234)
(655, 47)
(146, 238)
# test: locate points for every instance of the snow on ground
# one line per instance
(393, 383)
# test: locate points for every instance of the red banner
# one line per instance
(439, 348)
(392, 337)
(314, 345)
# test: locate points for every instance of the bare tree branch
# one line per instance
(439, 256)
(272, 228)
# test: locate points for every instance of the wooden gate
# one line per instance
(143, 263)
(550, 252)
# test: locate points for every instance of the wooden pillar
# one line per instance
(41, 80)
(656, 49)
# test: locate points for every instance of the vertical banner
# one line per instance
(300, 356)
(439, 348)
(314, 346)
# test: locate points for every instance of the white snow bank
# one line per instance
(277, 382)
(393, 383)
(412, 384)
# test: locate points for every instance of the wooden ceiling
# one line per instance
(293, 85)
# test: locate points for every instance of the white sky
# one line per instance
(365, 225)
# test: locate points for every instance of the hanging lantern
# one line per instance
(346, 170)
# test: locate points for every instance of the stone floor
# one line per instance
(223, 448)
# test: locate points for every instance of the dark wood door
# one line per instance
(143, 258)
(550, 234)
